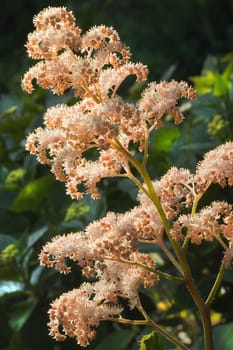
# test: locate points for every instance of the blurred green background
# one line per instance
(180, 39)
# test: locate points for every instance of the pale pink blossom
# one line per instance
(108, 250)
(216, 167)
(161, 98)
(206, 224)
(77, 313)
(114, 237)
(94, 65)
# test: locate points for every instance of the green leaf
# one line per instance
(8, 287)
(21, 313)
(228, 71)
(25, 245)
(222, 336)
(117, 341)
(206, 106)
(204, 84)
(35, 236)
(77, 211)
(162, 142)
(33, 195)
(221, 85)
(164, 139)
(35, 275)
(152, 341)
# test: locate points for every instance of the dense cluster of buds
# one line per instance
(94, 65)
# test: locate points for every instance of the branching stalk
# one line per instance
(183, 265)
(216, 285)
(152, 195)
(155, 271)
(160, 329)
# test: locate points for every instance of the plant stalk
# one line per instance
(182, 264)
(216, 285)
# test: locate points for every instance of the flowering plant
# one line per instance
(109, 251)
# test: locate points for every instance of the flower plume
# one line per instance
(94, 65)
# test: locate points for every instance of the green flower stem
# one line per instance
(194, 209)
(166, 334)
(152, 195)
(146, 146)
(155, 326)
(155, 199)
(182, 265)
(160, 329)
(84, 85)
(155, 271)
(202, 307)
(216, 285)
(118, 146)
(138, 183)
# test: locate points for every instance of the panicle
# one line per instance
(93, 65)
(110, 79)
(206, 225)
(216, 167)
(55, 31)
(108, 250)
(98, 37)
(70, 60)
(113, 237)
(55, 17)
(70, 132)
(161, 98)
(77, 313)
(175, 190)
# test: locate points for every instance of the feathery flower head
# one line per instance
(55, 17)
(77, 313)
(161, 98)
(55, 31)
(175, 190)
(214, 222)
(216, 167)
(114, 237)
(71, 60)
(94, 65)
(107, 250)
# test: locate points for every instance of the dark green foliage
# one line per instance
(222, 338)
(152, 341)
